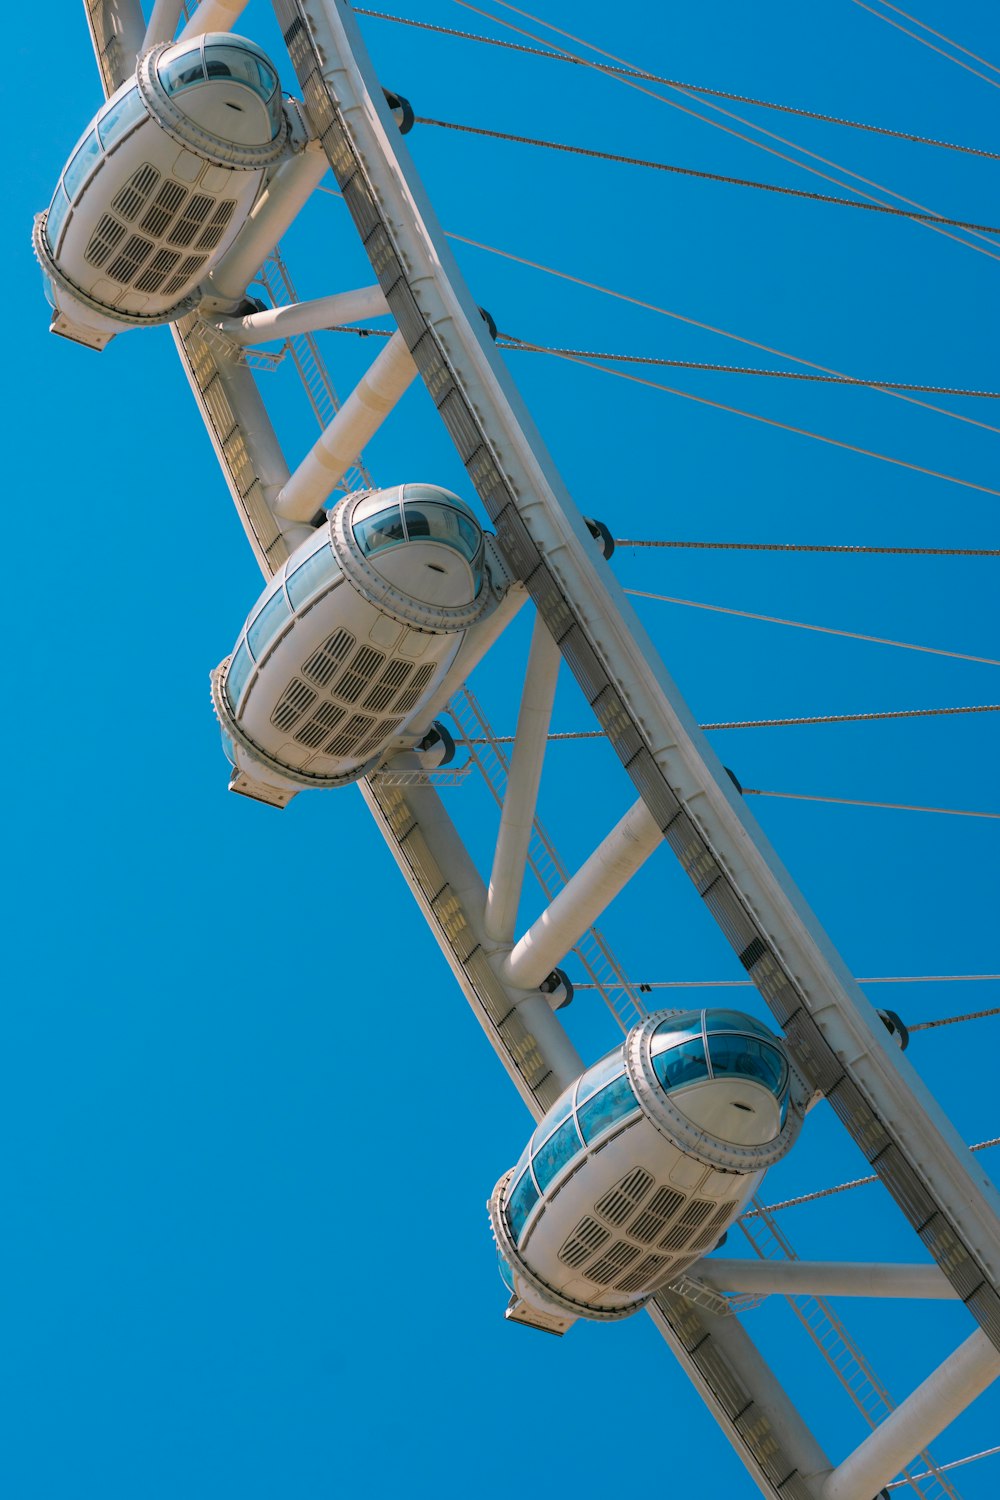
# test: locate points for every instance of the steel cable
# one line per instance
(694, 88)
(897, 713)
(853, 635)
(747, 182)
(925, 43)
(841, 1187)
(675, 104)
(815, 547)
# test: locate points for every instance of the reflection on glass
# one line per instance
(314, 572)
(54, 218)
(519, 1205)
(182, 72)
(676, 1029)
(236, 677)
(441, 523)
(735, 1020)
(559, 1149)
(610, 1105)
(602, 1072)
(268, 622)
(562, 1107)
(745, 1057)
(681, 1065)
(83, 163)
(228, 749)
(385, 529)
(120, 116)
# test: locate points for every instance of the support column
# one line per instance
(945, 1394)
(360, 417)
(287, 192)
(794, 1278)
(162, 23)
(578, 904)
(305, 317)
(213, 15)
(517, 818)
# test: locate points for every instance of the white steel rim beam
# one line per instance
(518, 815)
(360, 417)
(594, 886)
(305, 317)
(942, 1397)
(822, 1278)
(848, 1048)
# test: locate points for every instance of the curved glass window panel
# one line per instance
(267, 623)
(441, 523)
(746, 1057)
(228, 749)
(681, 1065)
(119, 117)
(308, 579)
(243, 66)
(55, 216)
(519, 1205)
(86, 157)
(239, 670)
(182, 72)
(602, 1073)
(380, 531)
(676, 1029)
(606, 1108)
(735, 1020)
(549, 1160)
(562, 1107)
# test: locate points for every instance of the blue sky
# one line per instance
(251, 1125)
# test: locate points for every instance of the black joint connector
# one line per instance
(402, 111)
(557, 983)
(601, 535)
(896, 1028)
(488, 320)
(319, 519)
(734, 779)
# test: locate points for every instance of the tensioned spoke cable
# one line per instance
(941, 36)
(818, 437)
(853, 635)
(954, 812)
(694, 88)
(841, 1187)
(739, 338)
(666, 312)
(972, 1015)
(814, 547)
(925, 43)
(522, 346)
(896, 713)
(662, 166)
(748, 984)
(956, 1463)
(729, 130)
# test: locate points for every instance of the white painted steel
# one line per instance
(466, 899)
(305, 317)
(213, 15)
(793, 1278)
(163, 22)
(938, 1400)
(521, 797)
(286, 193)
(116, 31)
(359, 418)
(593, 887)
(848, 1023)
